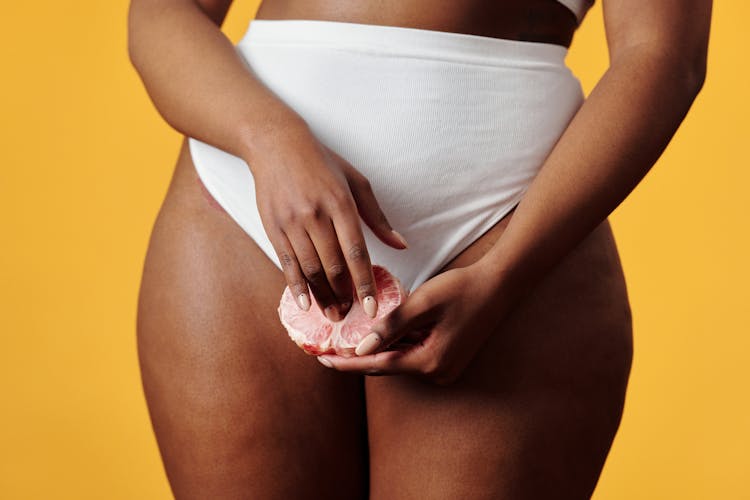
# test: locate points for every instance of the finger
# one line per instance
(413, 314)
(415, 360)
(323, 236)
(290, 267)
(372, 214)
(382, 363)
(312, 269)
(354, 248)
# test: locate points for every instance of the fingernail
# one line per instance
(370, 305)
(368, 344)
(332, 313)
(345, 308)
(304, 302)
(400, 238)
(325, 362)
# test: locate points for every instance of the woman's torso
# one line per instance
(546, 21)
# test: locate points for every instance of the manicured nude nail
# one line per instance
(368, 344)
(399, 237)
(304, 302)
(370, 305)
(325, 362)
(332, 313)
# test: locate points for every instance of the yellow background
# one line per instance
(85, 164)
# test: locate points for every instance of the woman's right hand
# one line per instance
(310, 201)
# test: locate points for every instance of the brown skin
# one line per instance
(534, 392)
(529, 20)
(240, 412)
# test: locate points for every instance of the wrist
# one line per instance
(491, 273)
(501, 277)
(271, 137)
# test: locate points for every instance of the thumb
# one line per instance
(372, 214)
(411, 315)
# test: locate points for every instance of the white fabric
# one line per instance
(578, 7)
(449, 128)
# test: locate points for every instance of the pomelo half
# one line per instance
(317, 335)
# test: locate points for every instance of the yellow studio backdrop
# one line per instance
(86, 161)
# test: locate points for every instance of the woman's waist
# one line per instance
(399, 42)
(417, 101)
(409, 74)
(529, 20)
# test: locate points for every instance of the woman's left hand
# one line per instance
(458, 310)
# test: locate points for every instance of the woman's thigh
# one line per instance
(535, 414)
(238, 410)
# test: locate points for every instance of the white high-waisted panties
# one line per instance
(449, 128)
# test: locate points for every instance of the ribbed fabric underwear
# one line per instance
(449, 128)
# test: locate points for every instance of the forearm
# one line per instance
(197, 80)
(609, 146)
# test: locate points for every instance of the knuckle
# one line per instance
(286, 260)
(337, 271)
(340, 201)
(312, 270)
(365, 288)
(309, 212)
(284, 217)
(357, 252)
